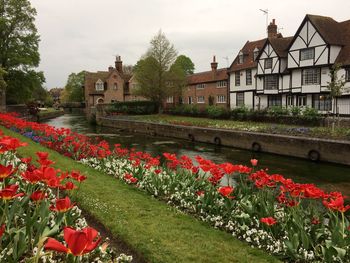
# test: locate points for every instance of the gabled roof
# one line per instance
(207, 76)
(104, 75)
(280, 45)
(248, 55)
(344, 55)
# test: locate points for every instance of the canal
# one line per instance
(330, 177)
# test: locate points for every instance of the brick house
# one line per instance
(108, 86)
(205, 88)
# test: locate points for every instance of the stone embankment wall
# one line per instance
(308, 148)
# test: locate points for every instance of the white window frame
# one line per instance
(190, 100)
(311, 76)
(200, 86)
(290, 100)
(200, 99)
(307, 53)
(250, 78)
(240, 58)
(347, 74)
(221, 84)
(99, 85)
(240, 99)
(170, 99)
(302, 101)
(220, 99)
(237, 80)
(268, 82)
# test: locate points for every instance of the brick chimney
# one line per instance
(119, 64)
(110, 68)
(214, 65)
(272, 30)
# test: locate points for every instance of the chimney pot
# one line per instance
(272, 29)
(214, 64)
(119, 64)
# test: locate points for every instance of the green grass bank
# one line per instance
(157, 231)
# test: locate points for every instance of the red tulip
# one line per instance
(315, 221)
(77, 176)
(226, 191)
(42, 155)
(62, 205)
(5, 171)
(2, 230)
(9, 192)
(68, 186)
(78, 242)
(254, 162)
(38, 196)
(268, 221)
(26, 160)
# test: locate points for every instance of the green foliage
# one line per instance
(337, 83)
(295, 111)
(187, 110)
(73, 91)
(240, 113)
(19, 54)
(185, 63)
(278, 111)
(311, 114)
(23, 86)
(154, 73)
(132, 107)
(3, 84)
(216, 112)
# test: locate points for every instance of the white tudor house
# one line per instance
(294, 71)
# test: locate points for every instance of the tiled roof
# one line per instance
(344, 55)
(280, 45)
(248, 56)
(329, 29)
(207, 76)
(103, 75)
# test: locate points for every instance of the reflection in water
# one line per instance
(329, 176)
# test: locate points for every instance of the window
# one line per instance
(200, 86)
(240, 58)
(240, 99)
(221, 84)
(237, 78)
(113, 101)
(311, 76)
(321, 102)
(248, 77)
(181, 100)
(170, 99)
(274, 100)
(301, 101)
(115, 86)
(200, 99)
(190, 100)
(221, 99)
(99, 85)
(268, 63)
(308, 53)
(271, 82)
(290, 101)
(347, 74)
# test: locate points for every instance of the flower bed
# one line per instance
(296, 222)
(35, 219)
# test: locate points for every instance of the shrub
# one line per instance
(132, 107)
(277, 111)
(240, 113)
(311, 114)
(295, 111)
(217, 112)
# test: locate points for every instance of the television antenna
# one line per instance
(266, 13)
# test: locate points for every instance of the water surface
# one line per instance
(328, 176)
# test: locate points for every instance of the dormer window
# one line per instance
(99, 85)
(240, 58)
(256, 53)
(115, 86)
(307, 53)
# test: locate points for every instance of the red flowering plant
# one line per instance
(311, 224)
(31, 212)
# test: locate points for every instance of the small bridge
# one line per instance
(70, 106)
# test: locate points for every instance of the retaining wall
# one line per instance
(309, 148)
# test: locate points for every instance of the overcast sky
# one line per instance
(86, 34)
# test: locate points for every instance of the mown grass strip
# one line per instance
(157, 231)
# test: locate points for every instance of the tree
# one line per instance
(154, 73)
(336, 88)
(73, 91)
(19, 44)
(185, 63)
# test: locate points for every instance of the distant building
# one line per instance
(204, 88)
(108, 86)
(56, 93)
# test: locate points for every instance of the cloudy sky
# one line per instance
(86, 34)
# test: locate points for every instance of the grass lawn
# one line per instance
(319, 132)
(48, 111)
(157, 231)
